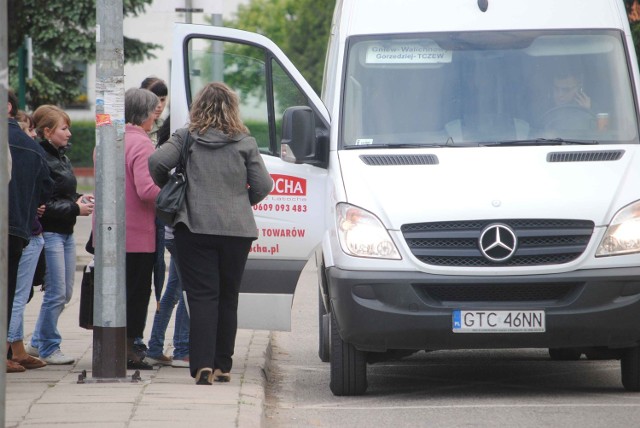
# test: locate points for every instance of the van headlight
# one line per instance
(623, 234)
(361, 234)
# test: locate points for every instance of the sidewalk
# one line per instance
(165, 397)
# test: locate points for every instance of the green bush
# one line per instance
(83, 141)
(259, 131)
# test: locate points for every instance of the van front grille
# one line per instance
(539, 242)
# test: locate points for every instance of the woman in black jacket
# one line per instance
(58, 220)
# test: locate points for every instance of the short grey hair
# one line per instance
(139, 104)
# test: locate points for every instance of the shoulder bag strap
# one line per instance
(184, 153)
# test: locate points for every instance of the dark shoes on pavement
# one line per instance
(135, 356)
(137, 364)
(204, 376)
(219, 376)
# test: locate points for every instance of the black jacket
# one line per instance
(30, 185)
(61, 210)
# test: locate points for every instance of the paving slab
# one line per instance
(164, 397)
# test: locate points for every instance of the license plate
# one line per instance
(498, 321)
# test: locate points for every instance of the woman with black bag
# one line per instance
(215, 226)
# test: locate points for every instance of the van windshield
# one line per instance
(475, 88)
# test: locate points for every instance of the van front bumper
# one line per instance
(380, 311)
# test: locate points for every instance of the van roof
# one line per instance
(412, 16)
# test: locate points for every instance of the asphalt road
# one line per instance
(498, 388)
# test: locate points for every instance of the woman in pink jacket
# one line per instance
(141, 192)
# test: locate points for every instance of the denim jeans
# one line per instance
(159, 266)
(60, 254)
(172, 295)
(26, 270)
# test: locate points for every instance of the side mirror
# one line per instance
(298, 135)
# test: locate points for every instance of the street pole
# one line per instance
(189, 10)
(109, 316)
(22, 79)
(4, 201)
(218, 50)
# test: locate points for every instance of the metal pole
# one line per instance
(22, 85)
(189, 9)
(109, 316)
(4, 201)
(218, 50)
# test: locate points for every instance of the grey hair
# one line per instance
(139, 104)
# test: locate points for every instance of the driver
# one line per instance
(570, 113)
(567, 90)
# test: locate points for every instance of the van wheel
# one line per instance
(564, 354)
(630, 369)
(348, 365)
(324, 325)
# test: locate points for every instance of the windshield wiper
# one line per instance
(539, 142)
(393, 146)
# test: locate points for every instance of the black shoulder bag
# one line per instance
(172, 195)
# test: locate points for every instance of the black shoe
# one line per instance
(220, 376)
(204, 376)
(140, 350)
(138, 365)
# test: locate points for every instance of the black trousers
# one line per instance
(211, 268)
(139, 270)
(15, 246)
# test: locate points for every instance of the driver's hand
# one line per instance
(583, 100)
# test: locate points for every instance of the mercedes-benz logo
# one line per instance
(498, 242)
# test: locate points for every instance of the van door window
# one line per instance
(286, 94)
(242, 68)
(246, 68)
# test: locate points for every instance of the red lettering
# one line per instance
(288, 185)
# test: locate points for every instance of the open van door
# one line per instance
(291, 219)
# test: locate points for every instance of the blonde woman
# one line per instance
(215, 227)
(58, 220)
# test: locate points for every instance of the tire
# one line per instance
(630, 369)
(564, 354)
(324, 326)
(348, 365)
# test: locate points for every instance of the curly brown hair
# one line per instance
(216, 106)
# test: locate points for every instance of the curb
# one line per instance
(251, 404)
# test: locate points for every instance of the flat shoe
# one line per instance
(13, 367)
(29, 362)
(219, 376)
(138, 365)
(162, 360)
(204, 376)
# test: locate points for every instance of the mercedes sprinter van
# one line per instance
(469, 178)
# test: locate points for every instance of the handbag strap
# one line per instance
(184, 153)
